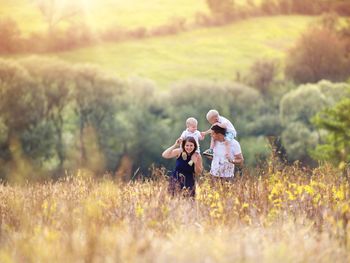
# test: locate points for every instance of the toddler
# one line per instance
(191, 131)
(214, 118)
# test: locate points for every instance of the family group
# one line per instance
(225, 153)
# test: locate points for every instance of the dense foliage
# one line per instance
(56, 116)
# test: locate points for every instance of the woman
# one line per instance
(188, 163)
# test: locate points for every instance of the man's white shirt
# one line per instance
(220, 167)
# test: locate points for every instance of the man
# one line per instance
(221, 167)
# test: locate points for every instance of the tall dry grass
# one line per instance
(286, 216)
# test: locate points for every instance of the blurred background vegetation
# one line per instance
(107, 85)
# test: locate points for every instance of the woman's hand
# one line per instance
(173, 151)
(178, 142)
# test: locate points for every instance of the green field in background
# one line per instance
(104, 14)
(209, 53)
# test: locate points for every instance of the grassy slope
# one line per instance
(101, 14)
(106, 13)
(25, 13)
(213, 53)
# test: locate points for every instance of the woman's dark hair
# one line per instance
(189, 139)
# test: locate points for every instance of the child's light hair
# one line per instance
(211, 114)
(191, 121)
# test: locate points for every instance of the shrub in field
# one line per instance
(336, 146)
(197, 97)
(22, 110)
(297, 108)
(97, 97)
(222, 8)
(319, 54)
(143, 128)
(10, 36)
(55, 79)
(262, 74)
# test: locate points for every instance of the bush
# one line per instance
(262, 74)
(319, 54)
(342, 8)
(298, 107)
(10, 36)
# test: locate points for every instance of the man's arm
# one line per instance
(238, 159)
(237, 153)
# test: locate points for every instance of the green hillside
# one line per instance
(104, 14)
(212, 53)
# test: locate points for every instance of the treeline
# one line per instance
(79, 34)
(56, 117)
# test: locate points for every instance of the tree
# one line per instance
(222, 8)
(237, 102)
(336, 121)
(144, 128)
(21, 104)
(97, 97)
(55, 79)
(297, 109)
(319, 54)
(9, 35)
(262, 74)
(56, 11)
(269, 7)
(21, 114)
(302, 104)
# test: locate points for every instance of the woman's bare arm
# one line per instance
(198, 163)
(173, 151)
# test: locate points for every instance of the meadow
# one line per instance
(219, 53)
(208, 53)
(287, 215)
(101, 14)
(277, 213)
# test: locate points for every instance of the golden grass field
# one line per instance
(283, 216)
